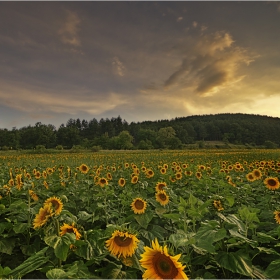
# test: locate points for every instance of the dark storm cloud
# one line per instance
(69, 29)
(138, 59)
(211, 62)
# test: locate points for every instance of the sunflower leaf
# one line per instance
(272, 271)
(61, 244)
(265, 238)
(237, 262)
(30, 264)
(7, 245)
(234, 233)
(117, 273)
(208, 234)
(179, 239)
(20, 227)
(144, 219)
(56, 273)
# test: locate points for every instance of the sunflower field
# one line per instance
(140, 215)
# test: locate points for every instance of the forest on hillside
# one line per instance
(116, 133)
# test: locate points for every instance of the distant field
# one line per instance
(93, 215)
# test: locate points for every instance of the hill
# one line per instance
(231, 128)
(115, 133)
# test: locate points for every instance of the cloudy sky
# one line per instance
(139, 60)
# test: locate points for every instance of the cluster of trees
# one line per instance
(116, 133)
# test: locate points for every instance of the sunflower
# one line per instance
(121, 182)
(257, 174)
(160, 186)
(71, 229)
(162, 197)
(231, 183)
(122, 244)
(218, 205)
(46, 184)
(109, 176)
(44, 174)
(201, 167)
(127, 261)
(11, 182)
(178, 176)
(165, 165)
(102, 182)
(83, 168)
(19, 182)
(237, 166)
(172, 179)
(188, 173)
(42, 217)
(11, 173)
(50, 170)
(138, 205)
(37, 174)
(250, 177)
(228, 178)
(198, 175)
(160, 265)
(178, 168)
(33, 195)
(55, 203)
(271, 183)
(230, 167)
(6, 189)
(277, 216)
(163, 171)
(149, 173)
(134, 179)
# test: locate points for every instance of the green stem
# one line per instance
(88, 196)
(10, 201)
(58, 234)
(105, 204)
(28, 216)
(194, 225)
(185, 222)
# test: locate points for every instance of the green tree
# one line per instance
(270, 145)
(145, 145)
(45, 134)
(146, 134)
(166, 138)
(68, 136)
(126, 140)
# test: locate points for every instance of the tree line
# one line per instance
(116, 133)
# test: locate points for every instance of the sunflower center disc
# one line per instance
(139, 205)
(162, 197)
(164, 267)
(123, 241)
(272, 183)
(70, 230)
